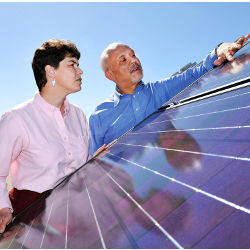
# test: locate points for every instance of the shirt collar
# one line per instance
(118, 96)
(49, 108)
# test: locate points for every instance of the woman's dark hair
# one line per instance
(52, 52)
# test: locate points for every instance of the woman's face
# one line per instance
(68, 75)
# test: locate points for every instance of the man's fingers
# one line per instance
(236, 46)
(229, 57)
(219, 61)
(247, 37)
(241, 40)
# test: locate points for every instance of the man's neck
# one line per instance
(127, 89)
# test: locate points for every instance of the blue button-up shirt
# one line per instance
(121, 112)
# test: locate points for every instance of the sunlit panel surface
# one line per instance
(223, 75)
(180, 179)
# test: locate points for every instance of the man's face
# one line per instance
(124, 67)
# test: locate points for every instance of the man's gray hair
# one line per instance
(105, 54)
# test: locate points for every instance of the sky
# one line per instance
(164, 35)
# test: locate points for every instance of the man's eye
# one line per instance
(123, 59)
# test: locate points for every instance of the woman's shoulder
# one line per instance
(16, 111)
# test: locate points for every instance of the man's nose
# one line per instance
(80, 72)
(134, 60)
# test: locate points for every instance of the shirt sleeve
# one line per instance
(10, 147)
(170, 87)
(96, 139)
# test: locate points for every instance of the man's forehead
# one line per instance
(119, 50)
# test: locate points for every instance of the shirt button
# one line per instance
(64, 138)
(136, 109)
(69, 153)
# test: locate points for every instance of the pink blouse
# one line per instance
(39, 146)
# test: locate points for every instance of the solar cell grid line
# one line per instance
(190, 187)
(191, 152)
(13, 238)
(30, 226)
(213, 101)
(174, 115)
(116, 233)
(222, 99)
(204, 114)
(146, 213)
(81, 224)
(45, 229)
(67, 219)
(129, 235)
(96, 221)
(205, 85)
(210, 93)
(216, 100)
(190, 107)
(189, 129)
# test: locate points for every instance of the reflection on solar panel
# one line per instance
(180, 179)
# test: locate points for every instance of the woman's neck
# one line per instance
(54, 98)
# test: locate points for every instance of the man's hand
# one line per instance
(226, 50)
(5, 218)
(99, 150)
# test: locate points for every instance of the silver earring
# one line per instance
(53, 83)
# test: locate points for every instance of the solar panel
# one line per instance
(223, 75)
(179, 179)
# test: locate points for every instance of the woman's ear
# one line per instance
(50, 71)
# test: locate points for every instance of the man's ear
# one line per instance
(109, 75)
(50, 71)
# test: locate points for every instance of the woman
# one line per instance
(46, 138)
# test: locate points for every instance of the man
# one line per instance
(134, 100)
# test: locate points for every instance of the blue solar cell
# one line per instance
(232, 233)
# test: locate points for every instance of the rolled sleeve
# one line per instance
(208, 62)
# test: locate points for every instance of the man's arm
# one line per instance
(167, 89)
